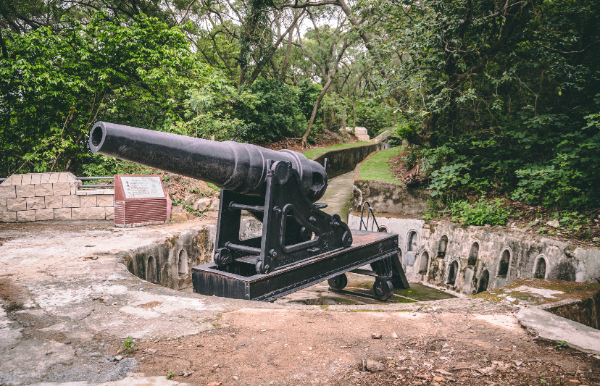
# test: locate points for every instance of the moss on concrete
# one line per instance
(315, 152)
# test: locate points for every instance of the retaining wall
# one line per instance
(52, 196)
(388, 197)
(345, 160)
(474, 259)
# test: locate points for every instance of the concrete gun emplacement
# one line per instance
(300, 244)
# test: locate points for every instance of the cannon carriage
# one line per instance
(300, 244)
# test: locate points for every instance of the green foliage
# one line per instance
(481, 212)
(55, 86)
(272, 112)
(561, 345)
(170, 374)
(128, 345)
(375, 117)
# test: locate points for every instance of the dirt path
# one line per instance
(291, 347)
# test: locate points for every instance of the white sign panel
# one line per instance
(142, 187)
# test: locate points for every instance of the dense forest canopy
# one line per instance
(494, 96)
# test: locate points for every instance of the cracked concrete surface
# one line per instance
(69, 302)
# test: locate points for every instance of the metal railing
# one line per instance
(371, 215)
(86, 179)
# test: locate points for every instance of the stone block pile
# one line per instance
(52, 196)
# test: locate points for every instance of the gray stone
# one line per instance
(36, 179)
(214, 204)
(8, 191)
(71, 202)
(554, 327)
(25, 190)
(62, 189)
(87, 201)
(553, 223)
(26, 179)
(105, 200)
(35, 203)
(53, 201)
(8, 216)
(44, 214)
(62, 214)
(26, 216)
(16, 204)
(16, 179)
(202, 204)
(43, 190)
(90, 213)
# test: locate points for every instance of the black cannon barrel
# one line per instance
(239, 167)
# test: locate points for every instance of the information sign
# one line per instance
(142, 187)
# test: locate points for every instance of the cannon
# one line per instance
(300, 244)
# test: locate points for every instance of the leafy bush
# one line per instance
(481, 212)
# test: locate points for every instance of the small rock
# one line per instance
(236, 378)
(202, 204)
(373, 366)
(215, 384)
(187, 374)
(535, 222)
(150, 351)
(394, 335)
(444, 372)
(518, 363)
(216, 365)
(553, 223)
(438, 379)
(214, 205)
(118, 357)
(376, 336)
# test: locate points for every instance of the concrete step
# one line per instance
(365, 138)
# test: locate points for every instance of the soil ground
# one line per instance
(285, 347)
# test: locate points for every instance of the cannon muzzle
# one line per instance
(238, 167)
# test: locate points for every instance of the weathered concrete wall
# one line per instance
(586, 311)
(388, 197)
(169, 263)
(472, 259)
(52, 196)
(345, 160)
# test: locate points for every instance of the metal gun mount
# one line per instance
(300, 244)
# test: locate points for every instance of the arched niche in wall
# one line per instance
(504, 264)
(483, 281)
(151, 270)
(442, 247)
(424, 264)
(473, 254)
(412, 244)
(452, 272)
(182, 265)
(540, 267)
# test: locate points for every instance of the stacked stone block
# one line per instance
(52, 196)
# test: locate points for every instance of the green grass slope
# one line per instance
(378, 166)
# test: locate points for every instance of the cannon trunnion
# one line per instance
(300, 244)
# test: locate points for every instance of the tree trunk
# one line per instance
(314, 112)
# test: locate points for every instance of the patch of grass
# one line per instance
(170, 374)
(377, 168)
(314, 152)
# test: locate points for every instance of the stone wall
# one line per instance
(474, 259)
(52, 196)
(342, 161)
(388, 197)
